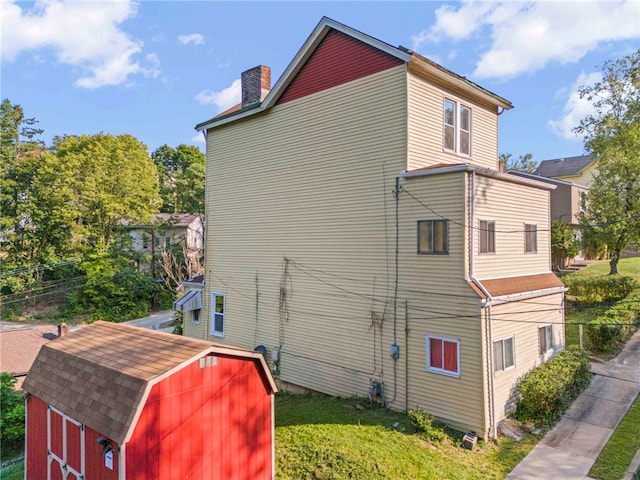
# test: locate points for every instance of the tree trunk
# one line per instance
(613, 263)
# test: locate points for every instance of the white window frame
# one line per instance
(545, 332)
(195, 316)
(456, 126)
(442, 370)
(503, 362)
(530, 238)
(431, 231)
(221, 315)
(487, 235)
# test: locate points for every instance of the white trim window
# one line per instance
(443, 355)
(503, 356)
(530, 238)
(433, 237)
(457, 127)
(545, 339)
(487, 236)
(217, 314)
(195, 316)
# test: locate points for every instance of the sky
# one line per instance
(155, 69)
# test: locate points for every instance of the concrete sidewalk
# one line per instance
(568, 451)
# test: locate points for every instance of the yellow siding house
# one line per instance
(360, 234)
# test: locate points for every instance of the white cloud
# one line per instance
(575, 108)
(525, 36)
(85, 35)
(199, 138)
(223, 99)
(195, 38)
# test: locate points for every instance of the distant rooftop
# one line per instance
(562, 167)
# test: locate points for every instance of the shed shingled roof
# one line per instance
(561, 167)
(101, 374)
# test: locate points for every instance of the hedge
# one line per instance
(615, 326)
(608, 288)
(548, 390)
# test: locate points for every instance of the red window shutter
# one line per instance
(451, 356)
(435, 356)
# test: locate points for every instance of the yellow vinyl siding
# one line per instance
(511, 206)
(522, 320)
(310, 180)
(440, 303)
(425, 128)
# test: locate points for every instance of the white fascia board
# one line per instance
(516, 297)
(480, 171)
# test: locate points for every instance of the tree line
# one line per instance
(65, 202)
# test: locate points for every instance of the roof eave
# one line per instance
(481, 171)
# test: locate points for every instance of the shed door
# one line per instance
(65, 443)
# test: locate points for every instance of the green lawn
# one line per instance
(621, 447)
(574, 317)
(319, 437)
(13, 472)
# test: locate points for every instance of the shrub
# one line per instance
(548, 390)
(11, 418)
(423, 423)
(609, 288)
(615, 326)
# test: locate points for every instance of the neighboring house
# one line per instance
(365, 238)
(110, 401)
(567, 201)
(166, 230)
(579, 170)
(19, 346)
(190, 303)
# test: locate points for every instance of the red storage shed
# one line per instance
(110, 401)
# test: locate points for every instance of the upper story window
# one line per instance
(217, 314)
(530, 238)
(487, 236)
(457, 127)
(433, 236)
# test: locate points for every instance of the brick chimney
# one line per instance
(256, 83)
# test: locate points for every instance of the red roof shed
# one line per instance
(114, 402)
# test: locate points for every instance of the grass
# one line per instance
(576, 316)
(13, 472)
(619, 451)
(319, 437)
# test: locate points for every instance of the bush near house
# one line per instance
(548, 390)
(613, 328)
(11, 419)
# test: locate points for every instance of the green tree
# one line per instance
(11, 418)
(524, 163)
(113, 179)
(563, 245)
(612, 134)
(181, 175)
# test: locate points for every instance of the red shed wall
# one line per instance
(205, 423)
(36, 446)
(338, 59)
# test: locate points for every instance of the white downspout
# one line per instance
(488, 304)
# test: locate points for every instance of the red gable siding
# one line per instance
(338, 59)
